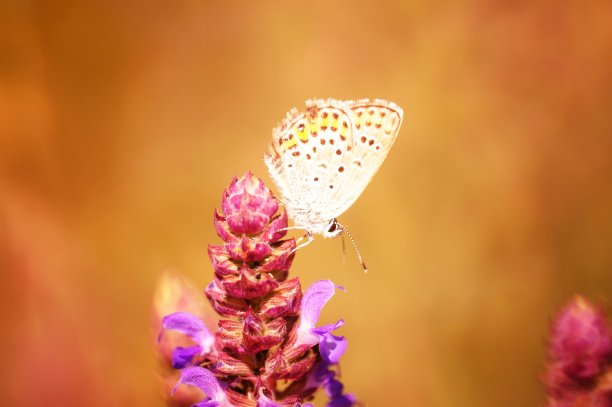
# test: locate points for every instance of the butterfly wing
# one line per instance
(376, 124)
(307, 159)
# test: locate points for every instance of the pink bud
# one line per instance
(278, 367)
(257, 345)
(223, 303)
(248, 205)
(284, 301)
(261, 335)
(234, 366)
(249, 283)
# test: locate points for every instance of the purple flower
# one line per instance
(208, 383)
(330, 346)
(192, 327)
(337, 398)
(323, 376)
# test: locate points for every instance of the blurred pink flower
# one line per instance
(580, 368)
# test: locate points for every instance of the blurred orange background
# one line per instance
(122, 121)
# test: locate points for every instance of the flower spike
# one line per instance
(267, 332)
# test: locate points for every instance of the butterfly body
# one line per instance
(323, 158)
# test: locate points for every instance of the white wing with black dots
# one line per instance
(323, 158)
(376, 125)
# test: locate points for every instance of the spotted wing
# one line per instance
(308, 159)
(375, 127)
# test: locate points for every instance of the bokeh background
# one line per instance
(122, 121)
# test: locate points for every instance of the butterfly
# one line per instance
(323, 158)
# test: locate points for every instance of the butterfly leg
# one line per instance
(309, 240)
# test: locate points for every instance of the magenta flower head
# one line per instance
(267, 350)
(580, 368)
(253, 261)
(248, 205)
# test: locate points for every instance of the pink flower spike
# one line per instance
(268, 341)
(208, 383)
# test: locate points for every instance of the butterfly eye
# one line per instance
(332, 227)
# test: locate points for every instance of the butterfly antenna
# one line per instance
(343, 249)
(363, 265)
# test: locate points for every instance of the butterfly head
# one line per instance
(332, 229)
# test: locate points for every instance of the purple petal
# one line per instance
(322, 373)
(182, 357)
(319, 375)
(314, 299)
(328, 328)
(333, 388)
(331, 347)
(207, 382)
(191, 326)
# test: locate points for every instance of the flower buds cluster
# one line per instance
(268, 332)
(580, 368)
